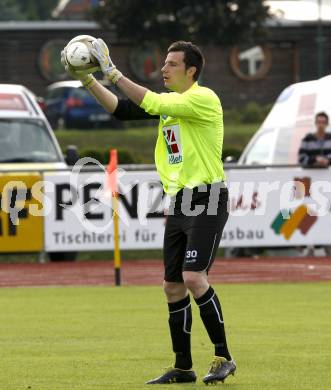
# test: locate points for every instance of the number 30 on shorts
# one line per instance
(191, 254)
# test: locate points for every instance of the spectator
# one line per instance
(315, 148)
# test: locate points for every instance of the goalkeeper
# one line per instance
(188, 160)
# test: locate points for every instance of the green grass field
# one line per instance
(141, 141)
(116, 338)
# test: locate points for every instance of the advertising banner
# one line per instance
(278, 207)
(80, 212)
(268, 207)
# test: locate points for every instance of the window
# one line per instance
(80, 93)
(261, 150)
(57, 93)
(26, 140)
(282, 147)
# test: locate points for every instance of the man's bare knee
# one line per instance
(174, 291)
(196, 282)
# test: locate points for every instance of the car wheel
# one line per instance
(62, 256)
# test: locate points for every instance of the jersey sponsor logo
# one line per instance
(172, 138)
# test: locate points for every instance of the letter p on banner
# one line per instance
(20, 230)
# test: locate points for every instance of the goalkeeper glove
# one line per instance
(101, 52)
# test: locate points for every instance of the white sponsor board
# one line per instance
(268, 207)
(278, 207)
(85, 220)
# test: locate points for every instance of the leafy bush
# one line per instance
(266, 109)
(93, 153)
(232, 116)
(124, 157)
(231, 151)
(102, 155)
(251, 113)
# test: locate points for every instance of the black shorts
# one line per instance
(191, 239)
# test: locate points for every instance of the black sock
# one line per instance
(180, 323)
(211, 315)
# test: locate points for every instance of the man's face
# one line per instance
(174, 73)
(321, 123)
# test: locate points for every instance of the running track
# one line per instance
(149, 272)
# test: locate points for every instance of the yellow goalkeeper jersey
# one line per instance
(189, 146)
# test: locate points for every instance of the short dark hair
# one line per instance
(192, 56)
(323, 114)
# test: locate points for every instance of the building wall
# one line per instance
(293, 50)
(235, 92)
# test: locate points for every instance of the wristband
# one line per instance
(114, 76)
(88, 81)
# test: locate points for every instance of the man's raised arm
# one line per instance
(132, 90)
(122, 109)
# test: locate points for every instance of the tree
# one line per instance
(37, 9)
(10, 11)
(27, 9)
(208, 21)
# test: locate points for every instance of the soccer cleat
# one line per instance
(219, 370)
(174, 375)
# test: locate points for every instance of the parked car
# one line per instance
(27, 141)
(278, 139)
(69, 105)
(290, 119)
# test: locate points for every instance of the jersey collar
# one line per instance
(193, 86)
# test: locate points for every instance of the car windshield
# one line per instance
(283, 146)
(26, 140)
(260, 151)
(81, 93)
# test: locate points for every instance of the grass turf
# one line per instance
(141, 141)
(116, 338)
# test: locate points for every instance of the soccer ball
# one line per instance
(78, 53)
